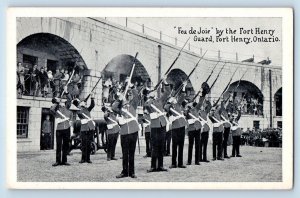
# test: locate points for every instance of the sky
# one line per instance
(228, 49)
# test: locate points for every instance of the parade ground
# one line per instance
(258, 164)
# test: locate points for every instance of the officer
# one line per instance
(218, 128)
(113, 130)
(126, 112)
(87, 129)
(62, 115)
(194, 131)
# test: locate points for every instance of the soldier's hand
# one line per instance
(92, 95)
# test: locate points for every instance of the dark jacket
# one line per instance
(180, 121)
(205, 126)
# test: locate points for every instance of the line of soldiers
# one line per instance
(170, 116)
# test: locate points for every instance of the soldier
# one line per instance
(87, 129)
(113, 130)
(158, 133)
(146, 124)
(129, 133)
(174, 108)
(62, 115)
(236, 134)
(203, 114)
(194, 130)
(217, 132)
(227, 125)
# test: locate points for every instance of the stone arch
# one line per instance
(278, 102)
(176, 78)
(49, 51)
(120, 66)
(248, 95)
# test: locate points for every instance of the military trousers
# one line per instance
(148, 143)
(194, 137)
(236, 145)
(203, 146)
(177, 145)
(217, 144)
(168, 143)
(225, 140)
(86, 140)
(62, 145)
(112, 140)
(128, 144)
(157, 143)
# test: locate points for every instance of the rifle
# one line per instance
(92, 89)
(169, 69)
(130, 76)
(70, 78)
(212, 71)
(209, 78)
(225, 88)
(187, 78)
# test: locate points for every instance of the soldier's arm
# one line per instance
(92, 105)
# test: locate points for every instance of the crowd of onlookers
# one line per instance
(251, 106)
(39, 81)
(258, 137)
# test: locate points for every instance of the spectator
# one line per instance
(43, 76)
(21, 77)
(57, 81)
(46, 133)
(34, 80)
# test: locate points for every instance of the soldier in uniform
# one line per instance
(179, 124)
(87, 129)
(62, 115)
(129, 132)
(227, 125)
(236, 134)
(203, 114)
(113, 130)
(194, 130)
(146, 124)
(218, 128)
(158, 132)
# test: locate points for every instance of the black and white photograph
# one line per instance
(150, 97)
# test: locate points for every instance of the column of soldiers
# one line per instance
(168, 117)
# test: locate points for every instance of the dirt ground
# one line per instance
(257, 165)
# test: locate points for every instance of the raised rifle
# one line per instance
(187, 78)
(225, 88)
(169, 69)
(130, 76)
(86, 99)
(209, 78)
(70, 78)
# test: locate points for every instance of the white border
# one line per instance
(287, 71)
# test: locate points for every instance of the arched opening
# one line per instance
(248, 96)
(278, 102)
(176, 78)
(116, 72)
(45, 63)
(120, 66)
